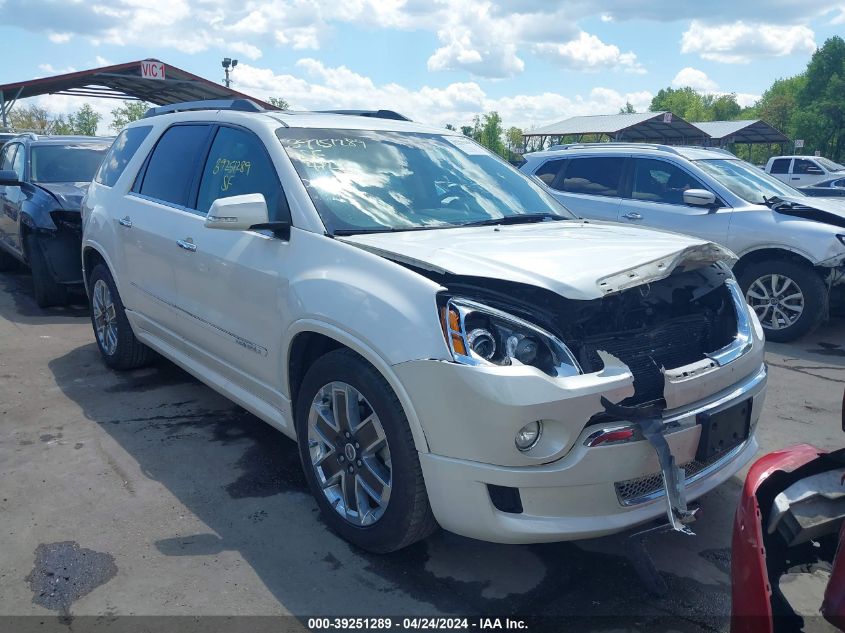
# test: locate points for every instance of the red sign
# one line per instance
(152, 70)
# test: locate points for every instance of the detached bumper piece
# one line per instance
(61, 249)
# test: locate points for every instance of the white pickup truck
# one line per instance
(802, 171)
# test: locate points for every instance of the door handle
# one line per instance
(795, 178)
(126, 221)
(632, 215)
(187, 244)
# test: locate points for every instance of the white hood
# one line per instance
(578, 260)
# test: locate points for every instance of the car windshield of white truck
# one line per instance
(829, 164)
(372, 181)
(746, 181)
(67, 163)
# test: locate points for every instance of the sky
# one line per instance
(438, 62)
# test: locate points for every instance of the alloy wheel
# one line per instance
(349, 452)
(105, 317)
(777, 300)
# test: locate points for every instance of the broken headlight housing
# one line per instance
(477, 334)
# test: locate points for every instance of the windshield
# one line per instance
(829, 164)
(66, 163)
(365, 180)
(748, 182)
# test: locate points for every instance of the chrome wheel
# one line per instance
(349, 453)
(777, 300)
(105, 317)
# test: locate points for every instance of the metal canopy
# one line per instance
(663, 127)
(123, 81)
(748, 131)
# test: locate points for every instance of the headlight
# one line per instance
(480, 335)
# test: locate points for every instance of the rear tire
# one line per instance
(336, 458)
(789, 298)
(112, 331)
(47, 291)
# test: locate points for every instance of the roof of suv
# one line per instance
(56, 139)
(690, 153)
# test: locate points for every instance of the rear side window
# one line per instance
(659, 181)
(237, 164)
(598, 176)
(780, 166)
(121, 152)
(174, 163)
(548, 171)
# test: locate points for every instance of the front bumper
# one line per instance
(580, 495)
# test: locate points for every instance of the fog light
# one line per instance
(528, 435)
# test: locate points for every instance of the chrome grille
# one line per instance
(633, 491)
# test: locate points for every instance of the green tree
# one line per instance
(30, 118)
(279, 103)
(628, 109)
(129, 111)
(84, 121)
(685, 102)
(820, 118)
(779, 103)
(449, 126)
(491, 132)
(514, 140)
(466, 130)
(724, 108)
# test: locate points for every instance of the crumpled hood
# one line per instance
(69, 194)
(578, 260)
(827, 210)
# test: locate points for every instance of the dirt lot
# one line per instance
(146, 493)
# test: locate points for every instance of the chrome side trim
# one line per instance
(743, 340)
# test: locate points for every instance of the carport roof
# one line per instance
(747, 131)
(124, 81)
(640, 126)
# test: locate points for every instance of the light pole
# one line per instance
(228, 63)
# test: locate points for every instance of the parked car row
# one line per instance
(447, 343)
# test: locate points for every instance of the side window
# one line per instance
(804, 167)
(780, 166)
(659, 181)
(238, 164)
(120, 153)
(18, 161)
(599, 176)
(173, 164)
(8, 156)
(549, 170)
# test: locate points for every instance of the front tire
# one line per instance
(790, 298)
(47, 291)
(359, 456)
(115, 339)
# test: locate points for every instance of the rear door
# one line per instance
(232, 285)
(589, 186)
(12, 198)
(656, 200)
(7, 155)
(148, 220)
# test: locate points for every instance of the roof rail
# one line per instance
(377, 114)
(657, 146)
(240, 105)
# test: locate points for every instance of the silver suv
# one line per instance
(791, 247)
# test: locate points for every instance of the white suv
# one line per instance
(446, 343)
(791, 247)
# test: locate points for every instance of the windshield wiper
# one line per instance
(525, 218)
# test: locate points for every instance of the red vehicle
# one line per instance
(789, 521)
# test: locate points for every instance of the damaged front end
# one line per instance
(60, 241)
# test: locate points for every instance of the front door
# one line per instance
(657, 201)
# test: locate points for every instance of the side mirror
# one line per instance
(8, 178)
(699, 198)
(242, 213)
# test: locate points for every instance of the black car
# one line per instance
(835, 187)
(42, 181)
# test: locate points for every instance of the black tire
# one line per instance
(809, 282)
(407, 517)
(7, 262)
(47, 291)
(129, 353)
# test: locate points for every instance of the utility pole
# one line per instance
(228, 66)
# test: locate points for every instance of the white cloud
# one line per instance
(695, 79)
(588, 52)
(52, 70)
(323, 87)
(740, 42)
(59, 38)
(102, 61)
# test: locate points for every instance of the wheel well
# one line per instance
(770, 253)
(91, 257)
(306, 348)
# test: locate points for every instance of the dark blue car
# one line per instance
(833, 188)
(42, 181)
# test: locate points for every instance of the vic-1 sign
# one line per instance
(152, 70)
